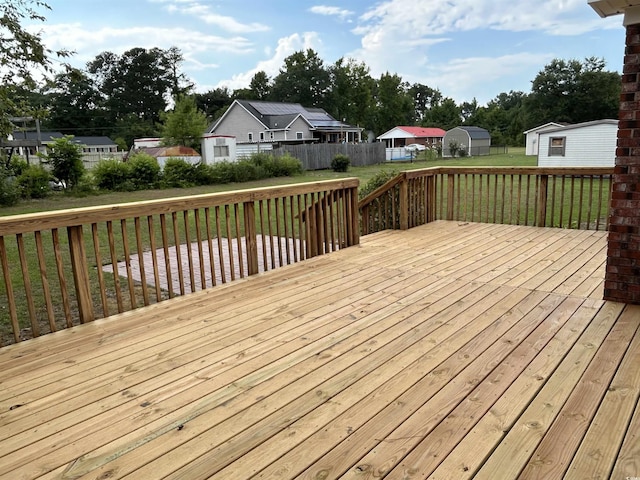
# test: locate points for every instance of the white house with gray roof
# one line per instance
(588, 144)
(258, 122)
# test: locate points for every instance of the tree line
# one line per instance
(127, 96)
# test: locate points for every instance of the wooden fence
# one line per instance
(551, 197)
(67, 267)
(318, 156)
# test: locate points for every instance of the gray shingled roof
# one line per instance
(477, 133)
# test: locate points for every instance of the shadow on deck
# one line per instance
(449, 351)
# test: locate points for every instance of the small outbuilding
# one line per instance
(474, 140)
(532, 136)
(588, 144)
(401, 136)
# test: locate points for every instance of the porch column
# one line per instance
(622, 280)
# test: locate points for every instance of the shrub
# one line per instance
(33, 182)
(9, 192)
(65, 158)
(462, 152)
(17, 165)
(379, 179)
(113, 175)
(454, 147)
(246, 171)
(220, 172)
(340, 163)
(179, 173)
(145, 171)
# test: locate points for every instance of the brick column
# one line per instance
(622, 280)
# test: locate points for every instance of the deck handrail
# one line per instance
(541, 196)
(117, 257)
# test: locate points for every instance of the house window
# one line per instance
(271, 135)
(250, 135)
(557, 146)
(262, 136)
(299, 135)
(221, 151)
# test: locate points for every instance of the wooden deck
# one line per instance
(447, 351)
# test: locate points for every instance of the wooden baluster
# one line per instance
(66, 304)
(80, 273)
(6, 275)
(250, 235)
(46, 290)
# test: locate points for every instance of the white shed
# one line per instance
(218, 148)
(588, 144)
(533, 137)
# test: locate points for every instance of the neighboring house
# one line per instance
(162, 154)
(474, 140)
(588, 144)
(256, 122)
(401, 136)
(146, 142)
(37, 141)
(96, 144)
(532, 136)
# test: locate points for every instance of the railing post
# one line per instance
(404, 204)
(81, 273)
(450, 195)
(354, 219)
(429, 199)
(250, 236)
(542, 201)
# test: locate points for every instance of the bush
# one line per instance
(113, 175)
(33, 182)
(220, 172)
(65, 158)
(454, 147)
(340, 163)
(145, 171)
(17, 165)
(9, 191)
(179, 173)
(246, 171)
(379, 179)
(462, 152)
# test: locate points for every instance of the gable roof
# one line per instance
(94, 141)
(279, 116)
(421, 132)
(33, 135)
(476, 133)
(582, 125)
(546, 126)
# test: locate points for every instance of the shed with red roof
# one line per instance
(402, 135)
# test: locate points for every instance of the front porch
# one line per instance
(451, 350)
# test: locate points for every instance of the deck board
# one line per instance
(452, 350)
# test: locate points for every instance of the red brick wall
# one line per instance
(622, 281)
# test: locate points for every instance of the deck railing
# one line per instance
(67, 267)
(551, 197)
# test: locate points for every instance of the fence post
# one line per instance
(542, 200)
(450, 195)
(250, 236)
(80, 273)
(404, 204)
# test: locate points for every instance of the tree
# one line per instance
(394, 106)
(260, 86)
(445, 114)
(303, 79)
(139, 82)
(75, 103)
(424, 98)
(180, 83)
(65, 158)
(185, 124)
(350, 97)
(573, 92)
(21, 54)
(213, 102)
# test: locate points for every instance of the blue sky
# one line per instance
(465, 48)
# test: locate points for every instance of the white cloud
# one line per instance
(465, 78)
(331, 11)
(271, 66)
(206, 14)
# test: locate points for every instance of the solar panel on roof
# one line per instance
(267, 108)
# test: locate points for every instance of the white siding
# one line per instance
(533, 137)
(248, 149)
(591, 145)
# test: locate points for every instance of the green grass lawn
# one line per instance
(59, 201)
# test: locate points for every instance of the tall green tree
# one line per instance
(185, 124)
(573, 91)
(446, 114)
(75, 104)
(22, 54)
(139, 82)
(303, 79)
(424, 98)
(350, 97)
(214, 102)
(394, 106)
